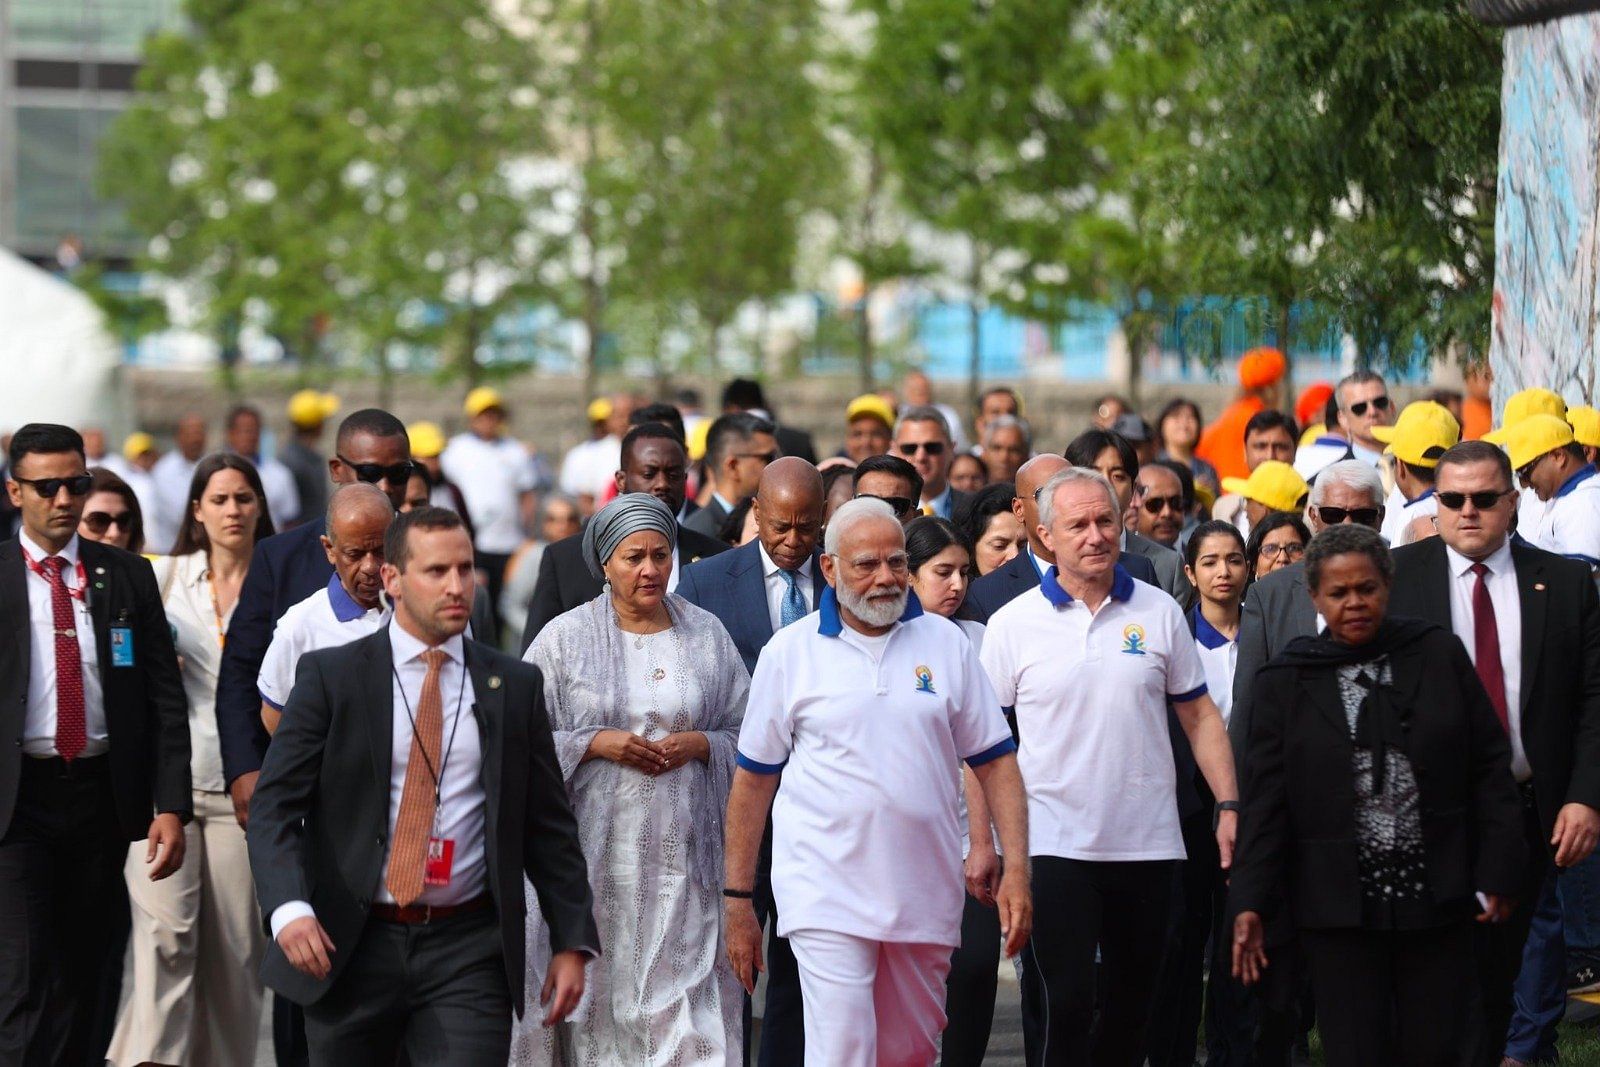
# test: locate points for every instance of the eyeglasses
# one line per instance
(373, 473)
(1331, 516)
(77, 485)
(900, 505)
(1286, 549)
(764, 457)
(1483, 500)
(1379, 403)
(1156, 504)
(99, 522)
(911, 448)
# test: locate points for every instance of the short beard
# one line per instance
(876, 612)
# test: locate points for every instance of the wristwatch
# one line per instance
(1222, 806)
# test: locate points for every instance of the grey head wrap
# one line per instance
(618, 520)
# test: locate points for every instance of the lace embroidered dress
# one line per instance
(662, 991)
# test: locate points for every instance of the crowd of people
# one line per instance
(1275, 721)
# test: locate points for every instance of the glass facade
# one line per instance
(104, 28)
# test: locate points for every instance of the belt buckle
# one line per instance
(427, 914)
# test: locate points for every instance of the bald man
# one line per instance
(756, 590)
(348, 608)
(171, 475)
(1022, 572)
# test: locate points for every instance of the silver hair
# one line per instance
(1067, 476)
(1001, 422)
(1351, 473)
(353, 496)
(851, 514)
(925, 413)
(1347, 539)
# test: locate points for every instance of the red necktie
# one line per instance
(71, 735)
(1486, 646)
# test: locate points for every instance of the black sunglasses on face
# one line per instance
(911, 448)
(900, 505)
(1483, 500)
(1379, 403)
(77, 485)
(1156, 504)
(373, 473)
(101, 521)
(1336, 516)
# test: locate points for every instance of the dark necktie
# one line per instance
(71, 734)
(1486, 645)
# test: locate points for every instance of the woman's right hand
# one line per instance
(630, 750)
(1249, 947)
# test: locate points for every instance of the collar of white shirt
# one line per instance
(406, 648)
(68, 553)
(1498, 561)
(769, 568)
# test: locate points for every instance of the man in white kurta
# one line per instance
(866, 707)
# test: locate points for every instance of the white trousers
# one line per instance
(870, 1003)
(197, 941)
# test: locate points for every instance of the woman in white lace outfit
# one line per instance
(645, 693)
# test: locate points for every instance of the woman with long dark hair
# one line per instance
(112, 515)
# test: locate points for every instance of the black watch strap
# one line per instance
(1222, 806)
(739, 894)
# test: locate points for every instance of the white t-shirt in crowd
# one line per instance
(1220, 657)
(325, 619)
(590, 466)
(1090, 692)
(492, 476)
(1398, 513)
(1569, 525)
(865, 834)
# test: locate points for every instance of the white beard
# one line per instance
(873, 611)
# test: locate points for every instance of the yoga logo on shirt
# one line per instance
(924, 680)
(1133, 639)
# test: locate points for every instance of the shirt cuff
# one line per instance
(268, 700)
(756, 766)
(1193, 694)
(284, 914)
(993, 752)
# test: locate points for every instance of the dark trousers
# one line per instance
(493, 565)
(1121, 908)
(1499, 945)
(63, 913)
(436, 992)
(970, 988)
(1174, 1026)
(1251, 1026)
(289, 1033)
(1395, 996)
(783, 1024)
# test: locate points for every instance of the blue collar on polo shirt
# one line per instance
(1209, 636)
(830, 623)
(1572, 483)
(1420, 497)
(345, 608)
(1050, 586)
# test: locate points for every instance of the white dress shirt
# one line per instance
(1502, 583)
(461, 797)
(283, 497)
(197, 635)
(492, 476)
(171, 474)
(777, 588)
(39, 725)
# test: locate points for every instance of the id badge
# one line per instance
(441, 852)
(121, 646)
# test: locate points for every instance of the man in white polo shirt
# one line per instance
(348, 608)
(866, 706)
(1089, 662)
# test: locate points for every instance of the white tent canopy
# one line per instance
(58, 362)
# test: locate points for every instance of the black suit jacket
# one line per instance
(707, 520)
(319, 819)
(565, 582)
(1297, 837)
(1004, 584)
(147, 713)
(1560, 689)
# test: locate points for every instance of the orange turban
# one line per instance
(1313, 401)
(1260, 367)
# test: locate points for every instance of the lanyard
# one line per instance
(78, 572)
(444, 760)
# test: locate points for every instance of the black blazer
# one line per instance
(1004, 584)
(1560, 690)
(1297, 835)
(147, 713)
(564, 580)
(320, 815)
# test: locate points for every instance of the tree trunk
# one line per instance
(975, 309)
(864, 348)
(1134, 329)
(588, 222)
(1285, 305)
(385, 377)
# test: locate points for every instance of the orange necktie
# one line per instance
(409, 853)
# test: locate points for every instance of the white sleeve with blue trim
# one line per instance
(981, 732)
(767, 734)
(277, 667)
(1576, 529)
(1186, 675)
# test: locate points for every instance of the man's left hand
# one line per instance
(1577, 828)
(1227, 834)
(563, 985)
(1015, 902)
(164, 849)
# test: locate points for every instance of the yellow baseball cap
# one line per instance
(1423, 432)
(697, 440)
(1274, 484)
(137, 444)
(599, 409)
(311, 408)
(1585, 423)
(1533, 402)
(482, 399)
(870, 404)
(427, 440)
(1528, 439)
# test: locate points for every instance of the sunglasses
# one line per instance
(1379, 403)
(911, 448)
(900, 505)
(77, 485)
(99, 522)
(1483, 500)
(1360, 516)
(1155, 505)
(373, 473)
(1287, 549)
(1525, 472)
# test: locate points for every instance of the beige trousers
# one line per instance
(197, 942)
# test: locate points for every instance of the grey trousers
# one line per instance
(438, 992)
